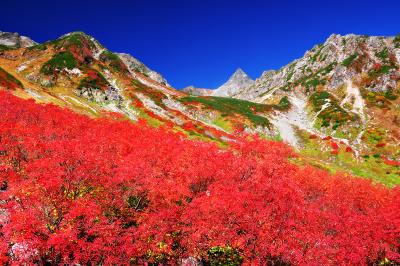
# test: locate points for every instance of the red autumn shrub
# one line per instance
(335, 152)
(349, 149)
(8, 81)
(334, 145)
(327, 138)
(81, 191)
(391, 162)
(377, 66)
(380, 145)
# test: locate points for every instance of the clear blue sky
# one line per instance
(202, 42)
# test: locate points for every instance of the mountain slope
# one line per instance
(77, 72)
(238, 81)
(346, 89)
(334, 121)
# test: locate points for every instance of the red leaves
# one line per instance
(188, 126)
(391, 162)
(377, 66)
(327, 138)
(8, 82)
(84, 191)
(380, 145)
(92, 74)
(335, 152)
(334, 145)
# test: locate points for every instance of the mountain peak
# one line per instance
(238, 81)
(239, 73)
(14, 39)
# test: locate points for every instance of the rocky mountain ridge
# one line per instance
(330, 64)
(14, 40)
(343, 81)
(338, 105)
(135, 64)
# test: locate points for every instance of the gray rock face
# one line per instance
(333, 63)
(135, 65)
(197, 91)
(15, 40)
(237, 82)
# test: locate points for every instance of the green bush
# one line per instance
(349, 60)
(224, 256)
(8, 79)
(284, 103)
(382, 70)
(230, 106)
(58, 62)
(78, 39)
(5, 47)
(94, 80)
(390, 95)
(107, 56)
(40, 47)
(383, 55)
(333, 114)
(114, 61)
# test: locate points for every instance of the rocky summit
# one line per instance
(13, 39)
(237, 82)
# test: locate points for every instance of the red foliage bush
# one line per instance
(335, 152)
(391, 162)
(334, 145)
(189, 126)
(327, 138)
(380, 145)
(84, 191)
(7, 81)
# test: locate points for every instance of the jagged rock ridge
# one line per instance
(339, 59)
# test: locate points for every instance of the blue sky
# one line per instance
(201, 43)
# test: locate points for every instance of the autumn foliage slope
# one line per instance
(79, 190)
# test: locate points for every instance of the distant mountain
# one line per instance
(197, 91)
(135, 64)
(14, 40)
(237, 82)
